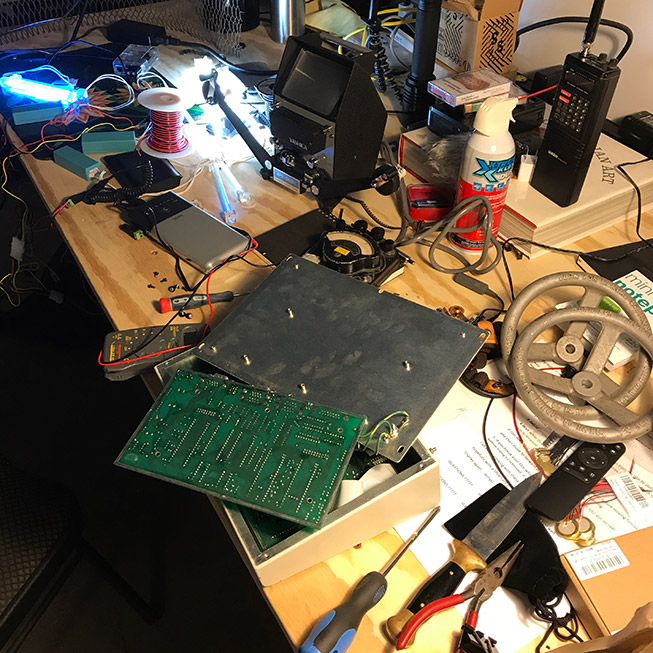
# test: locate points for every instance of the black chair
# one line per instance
(40, 544)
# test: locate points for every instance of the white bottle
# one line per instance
(486, 167)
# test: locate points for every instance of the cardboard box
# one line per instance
(467, 87)
(478, 34)
(610, 580)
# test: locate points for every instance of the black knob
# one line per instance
(360, 225)
(378, 233)
(386, 246)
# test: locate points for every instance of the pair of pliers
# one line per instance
(479, 591)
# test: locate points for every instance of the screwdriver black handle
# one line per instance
(188, 302)
(337, 629)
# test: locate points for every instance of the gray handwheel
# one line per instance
(569, 349)
(589, 384)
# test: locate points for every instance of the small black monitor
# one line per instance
(316, 82)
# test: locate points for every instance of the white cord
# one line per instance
(393, 36)
(186, 185)
(52, 69)
(115, 78)
(141, 83)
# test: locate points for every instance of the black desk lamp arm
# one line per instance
(214, 95)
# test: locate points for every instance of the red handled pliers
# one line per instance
(478, 592)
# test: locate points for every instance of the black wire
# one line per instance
(369, 212)
(490, 293)
(167, 247)
(400, 195)
(507, 244)
(487, 445)
(258, 265)
(176, 314)
(580, 19)
(638, 192)
(569, 622)
(158, 240)
(88, 43)
(90, 31)
(505, 247)
(481, 315)
(78, 24)
(223, 59)
(42, 22)
(128, 356)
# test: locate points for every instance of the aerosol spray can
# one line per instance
(486, 167)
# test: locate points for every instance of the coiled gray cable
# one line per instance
(447, 226)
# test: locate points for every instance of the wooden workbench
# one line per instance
(121, 270)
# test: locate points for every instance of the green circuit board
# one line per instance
(257, 448)
(269, 530)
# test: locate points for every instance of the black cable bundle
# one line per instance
(382, 69)
(100, 194)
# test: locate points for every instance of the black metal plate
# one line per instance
(315, 333)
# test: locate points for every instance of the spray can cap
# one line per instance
(495, 115)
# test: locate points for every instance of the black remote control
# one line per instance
(569, 484)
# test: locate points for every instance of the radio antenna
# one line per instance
(592, 26)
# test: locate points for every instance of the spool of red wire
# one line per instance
(166, 139)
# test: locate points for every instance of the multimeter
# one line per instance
(579, 109)
(127, 353)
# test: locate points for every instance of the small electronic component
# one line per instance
(577, 529)
(135, 60)
(74, 161)
(119, 345)
(38, 112)
(97, 142)
(255, 447)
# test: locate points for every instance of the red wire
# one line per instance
(61, 208)
(519, 435)
(208, 279)
(166, 133)
(254, 243)
(111, 115)
(208, 297)
(544, 90)
(138, 358)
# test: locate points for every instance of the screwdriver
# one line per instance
(186, 302)
(335, 632)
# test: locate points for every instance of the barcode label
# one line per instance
(596, 560)
(632, 498)
(598, 567)
(634, 491)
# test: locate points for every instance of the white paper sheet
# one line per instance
(454, 436)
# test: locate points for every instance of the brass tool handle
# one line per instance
(443, 583)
